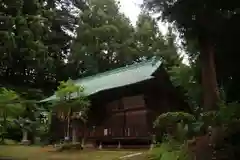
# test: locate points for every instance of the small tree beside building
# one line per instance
(72, 106)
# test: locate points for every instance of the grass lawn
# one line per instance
(18, 152)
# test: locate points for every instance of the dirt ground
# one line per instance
(17, 152)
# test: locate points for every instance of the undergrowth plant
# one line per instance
(170, 149)
(177, 128)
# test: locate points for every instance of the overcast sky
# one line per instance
(131, 9)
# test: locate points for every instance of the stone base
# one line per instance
(119, 145)
(25, 142)
(151, 146)
(89, 145)
(100, 146)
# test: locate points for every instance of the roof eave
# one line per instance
(49, 100)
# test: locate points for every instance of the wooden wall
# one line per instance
(131, 110)
(126, 117)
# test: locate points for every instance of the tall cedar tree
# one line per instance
(104, 39)
(34, 42)
(198, 20)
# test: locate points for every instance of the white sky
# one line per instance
(131, 8)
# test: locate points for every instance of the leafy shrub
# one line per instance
(14, 132)
(170, 150)
(183, 125)
(176, 124)
(227, 114)
(169, 118)
(10, 142)
(222, 123)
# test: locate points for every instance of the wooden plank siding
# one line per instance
(125, 118)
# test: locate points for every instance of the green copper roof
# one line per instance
(116, 78)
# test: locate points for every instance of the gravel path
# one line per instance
(131, 155)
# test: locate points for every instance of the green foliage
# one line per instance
(182, 126)
(35, 42)
(150, 41)
(228, 113)
(71, 100)
(71, 97)
(66, 89)
(17, 114)
(10, 142)
(170, 150)
(176, 124)
(9, 109)
(100, 44)
(207, 24)
(225, 116)
(9, 105)
(169, 118)
(186, 79)
(7, 96)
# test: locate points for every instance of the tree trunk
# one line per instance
(4, 126)
(209, 80)
(68, 123)
(210, 92)
(68, 128)
(83, 137)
